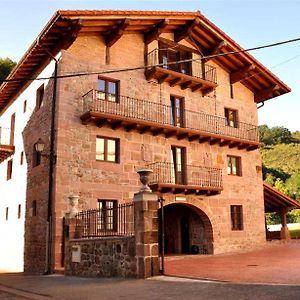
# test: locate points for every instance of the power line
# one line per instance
(70, 75)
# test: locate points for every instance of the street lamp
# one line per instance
(40, 147)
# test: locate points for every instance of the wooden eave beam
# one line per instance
(185, 32)
(215, 50)
(116, 34)
(154, 33)
(266, 93)
(241, 74)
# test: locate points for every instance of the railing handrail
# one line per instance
(214, 123)
(208, 73)
(202, 176)
(5, 135)
(186, 165)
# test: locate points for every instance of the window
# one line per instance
(108, 89)
(108, 215)
(6, 214)
(33, 209)
(19, 211)
(9, 169)
(39, 96)
(169, 54)
(177, 112)
(178, 166)
(231, 117)
(22, 158)
(107, 149)
(234, 166)
(12, 129)
(236, 212)
(24, 106)
(36, 157)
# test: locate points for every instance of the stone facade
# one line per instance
(80, 173)
(105, 257)
(77, 172)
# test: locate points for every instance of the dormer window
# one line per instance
(168, 56)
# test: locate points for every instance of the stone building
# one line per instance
(121, 90)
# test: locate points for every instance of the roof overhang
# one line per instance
(63, 28)
(275, 200)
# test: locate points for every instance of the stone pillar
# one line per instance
(284, 232)
(146, 234)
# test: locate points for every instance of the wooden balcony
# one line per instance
(144, 116)
(194, 75)
(185, 179)
(6, 149)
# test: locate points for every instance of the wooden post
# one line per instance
(284, 232)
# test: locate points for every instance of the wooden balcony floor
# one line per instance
(174, 78)
(184, 189)
(142, 126)
(6, 151)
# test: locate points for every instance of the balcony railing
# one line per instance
(160, 115)
(192, 68)
(5, 136)
(193, 177)
(6, 144)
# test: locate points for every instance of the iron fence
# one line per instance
(104, 222)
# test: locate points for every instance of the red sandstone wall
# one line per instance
(78, 172)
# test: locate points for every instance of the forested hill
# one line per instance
(281, 159)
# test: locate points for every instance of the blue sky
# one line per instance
(250, 23)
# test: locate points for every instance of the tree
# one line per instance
(6, 65)
(293, 186)
(274, 135)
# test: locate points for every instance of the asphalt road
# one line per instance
(19, 286)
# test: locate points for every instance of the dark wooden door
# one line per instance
(185, 235)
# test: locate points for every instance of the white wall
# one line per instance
(13, 191)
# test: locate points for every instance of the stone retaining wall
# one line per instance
(102, 257)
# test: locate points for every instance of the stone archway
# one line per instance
(187, 230)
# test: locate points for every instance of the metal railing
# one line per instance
(193, 68)
(163, 114)
(4, 136)
(104, 222)
(169, 173)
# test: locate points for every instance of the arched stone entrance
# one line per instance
(187, 229)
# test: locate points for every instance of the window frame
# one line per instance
(19, 211)
(180, 176)
(227, 112)
(237, 217)
(103, 225)
(238, 165)
(173, 111)
(40, 92)
(107, 80)
(105, 150)
(9, 169)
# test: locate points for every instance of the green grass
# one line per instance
(295, 232)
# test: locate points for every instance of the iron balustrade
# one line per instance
(163, 114)
(5, 136)
(193, 68)
(169, 173)
(104, 222)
